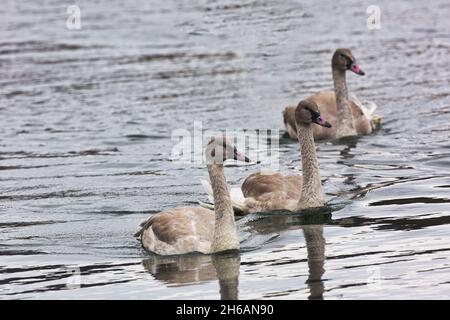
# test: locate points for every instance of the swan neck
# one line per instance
(225, 234)
(345, 124)
(340, 87)
(311, 194)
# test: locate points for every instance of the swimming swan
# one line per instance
(263, 192)
(194, 229)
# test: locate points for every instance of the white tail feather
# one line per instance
(367, 107)
(236, 195)
(206, 205)
(208, 189)
(237, 198)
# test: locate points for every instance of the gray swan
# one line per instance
(264, 192)
(349, 116)
(194, 229)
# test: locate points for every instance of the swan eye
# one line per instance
(347, 59)
(314, 114)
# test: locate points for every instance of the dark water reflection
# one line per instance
(86, 119)
(192, 269)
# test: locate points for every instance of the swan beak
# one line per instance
(240, 157)
(356, 69)
(322, 122)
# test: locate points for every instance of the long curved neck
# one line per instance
(225, 234)
(345, 126)
(311, 195)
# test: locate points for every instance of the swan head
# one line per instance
(344, 60)
(220, 149)
(307, 112)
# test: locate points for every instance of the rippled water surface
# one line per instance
(86, 118)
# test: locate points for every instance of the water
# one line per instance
(86, 118)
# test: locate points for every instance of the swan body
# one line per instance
(178, 231)
(363, 114)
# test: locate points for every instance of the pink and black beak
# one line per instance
(354, 67)
(321, 122)
(239, 156)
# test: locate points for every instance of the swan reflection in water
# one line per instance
(192, 269)
(196, 268)
(315, 245)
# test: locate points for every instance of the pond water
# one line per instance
(86, 123)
